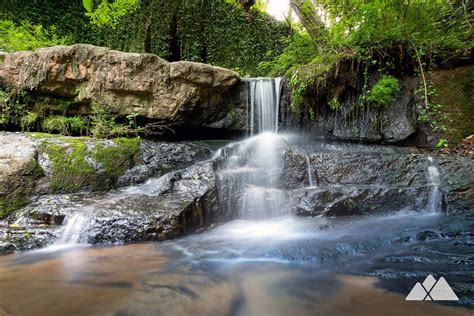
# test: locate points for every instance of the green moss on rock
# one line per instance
(81, 163)
(116, 159)
(70, 172)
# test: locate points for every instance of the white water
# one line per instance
(72, 230)
(309, 171)
(256, 164)
(264, 103)
(434, 200)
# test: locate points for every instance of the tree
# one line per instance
(311, 21)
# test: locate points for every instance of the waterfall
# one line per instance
(434, 200)
(309, 169)
(263, 104)
(253, 171)
(72, 231)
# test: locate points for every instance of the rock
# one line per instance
(39, 164)
(25, 238)
(166, 207)
(186, 203)
(160, 158)
(185, 92)
(18, 171)
(395, 123)
(363, 180)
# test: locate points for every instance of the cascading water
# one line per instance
(72, 230)
(263, 104)
(254, 168)
(434, 200)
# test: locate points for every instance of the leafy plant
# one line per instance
(109, 14)
(64, 125)
(382, 92)
(334, 104)
(27, 36)
(442, 143)
(28, 121)
(103, 122)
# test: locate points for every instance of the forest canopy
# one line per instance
(240, 35)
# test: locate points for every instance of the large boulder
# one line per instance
(18, 171)
(38, 164)
(128, 83)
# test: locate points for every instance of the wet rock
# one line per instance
(25, 238)
(39, 165)
(128, 83)
(350, 201)
(160, 158)
(428, 235)
(185, 202)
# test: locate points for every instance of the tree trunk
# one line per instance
(310, 19)
(175, 41)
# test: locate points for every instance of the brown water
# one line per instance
(147, 279)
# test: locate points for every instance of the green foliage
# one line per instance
(304, 79)
(65, 125)
(103, 122)
(28, 121)
(442, 143)
(13, 107)
(109, 14)
(382, 92)
(27, 36)
(430, 112)
(334, 104)
(88, 5)
(300, 51)
(438, 27)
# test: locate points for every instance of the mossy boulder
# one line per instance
(75, 164)
(18, 172)
(39, 164)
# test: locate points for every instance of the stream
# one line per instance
(265, 260)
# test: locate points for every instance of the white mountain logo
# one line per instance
(432, 290)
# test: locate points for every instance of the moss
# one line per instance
(117, 159)
(70, 171)
(20, 196)
(455, 90)
(11, 203)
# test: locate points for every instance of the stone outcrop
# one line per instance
(18, 171)
(347, 180)
(128, 83)
(378, 180)
(40, 164)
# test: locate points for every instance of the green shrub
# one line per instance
(300, 51)
(334, 104)
(103, 122)
(382, 92)
(27, 36)
(28, 121)
(64, 125)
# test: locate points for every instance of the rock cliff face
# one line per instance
(187, 92)
(396, 123)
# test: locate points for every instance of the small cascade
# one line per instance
(263, 104)
(434, 200)
(252, 173)
(310, 173)
(73, 229)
